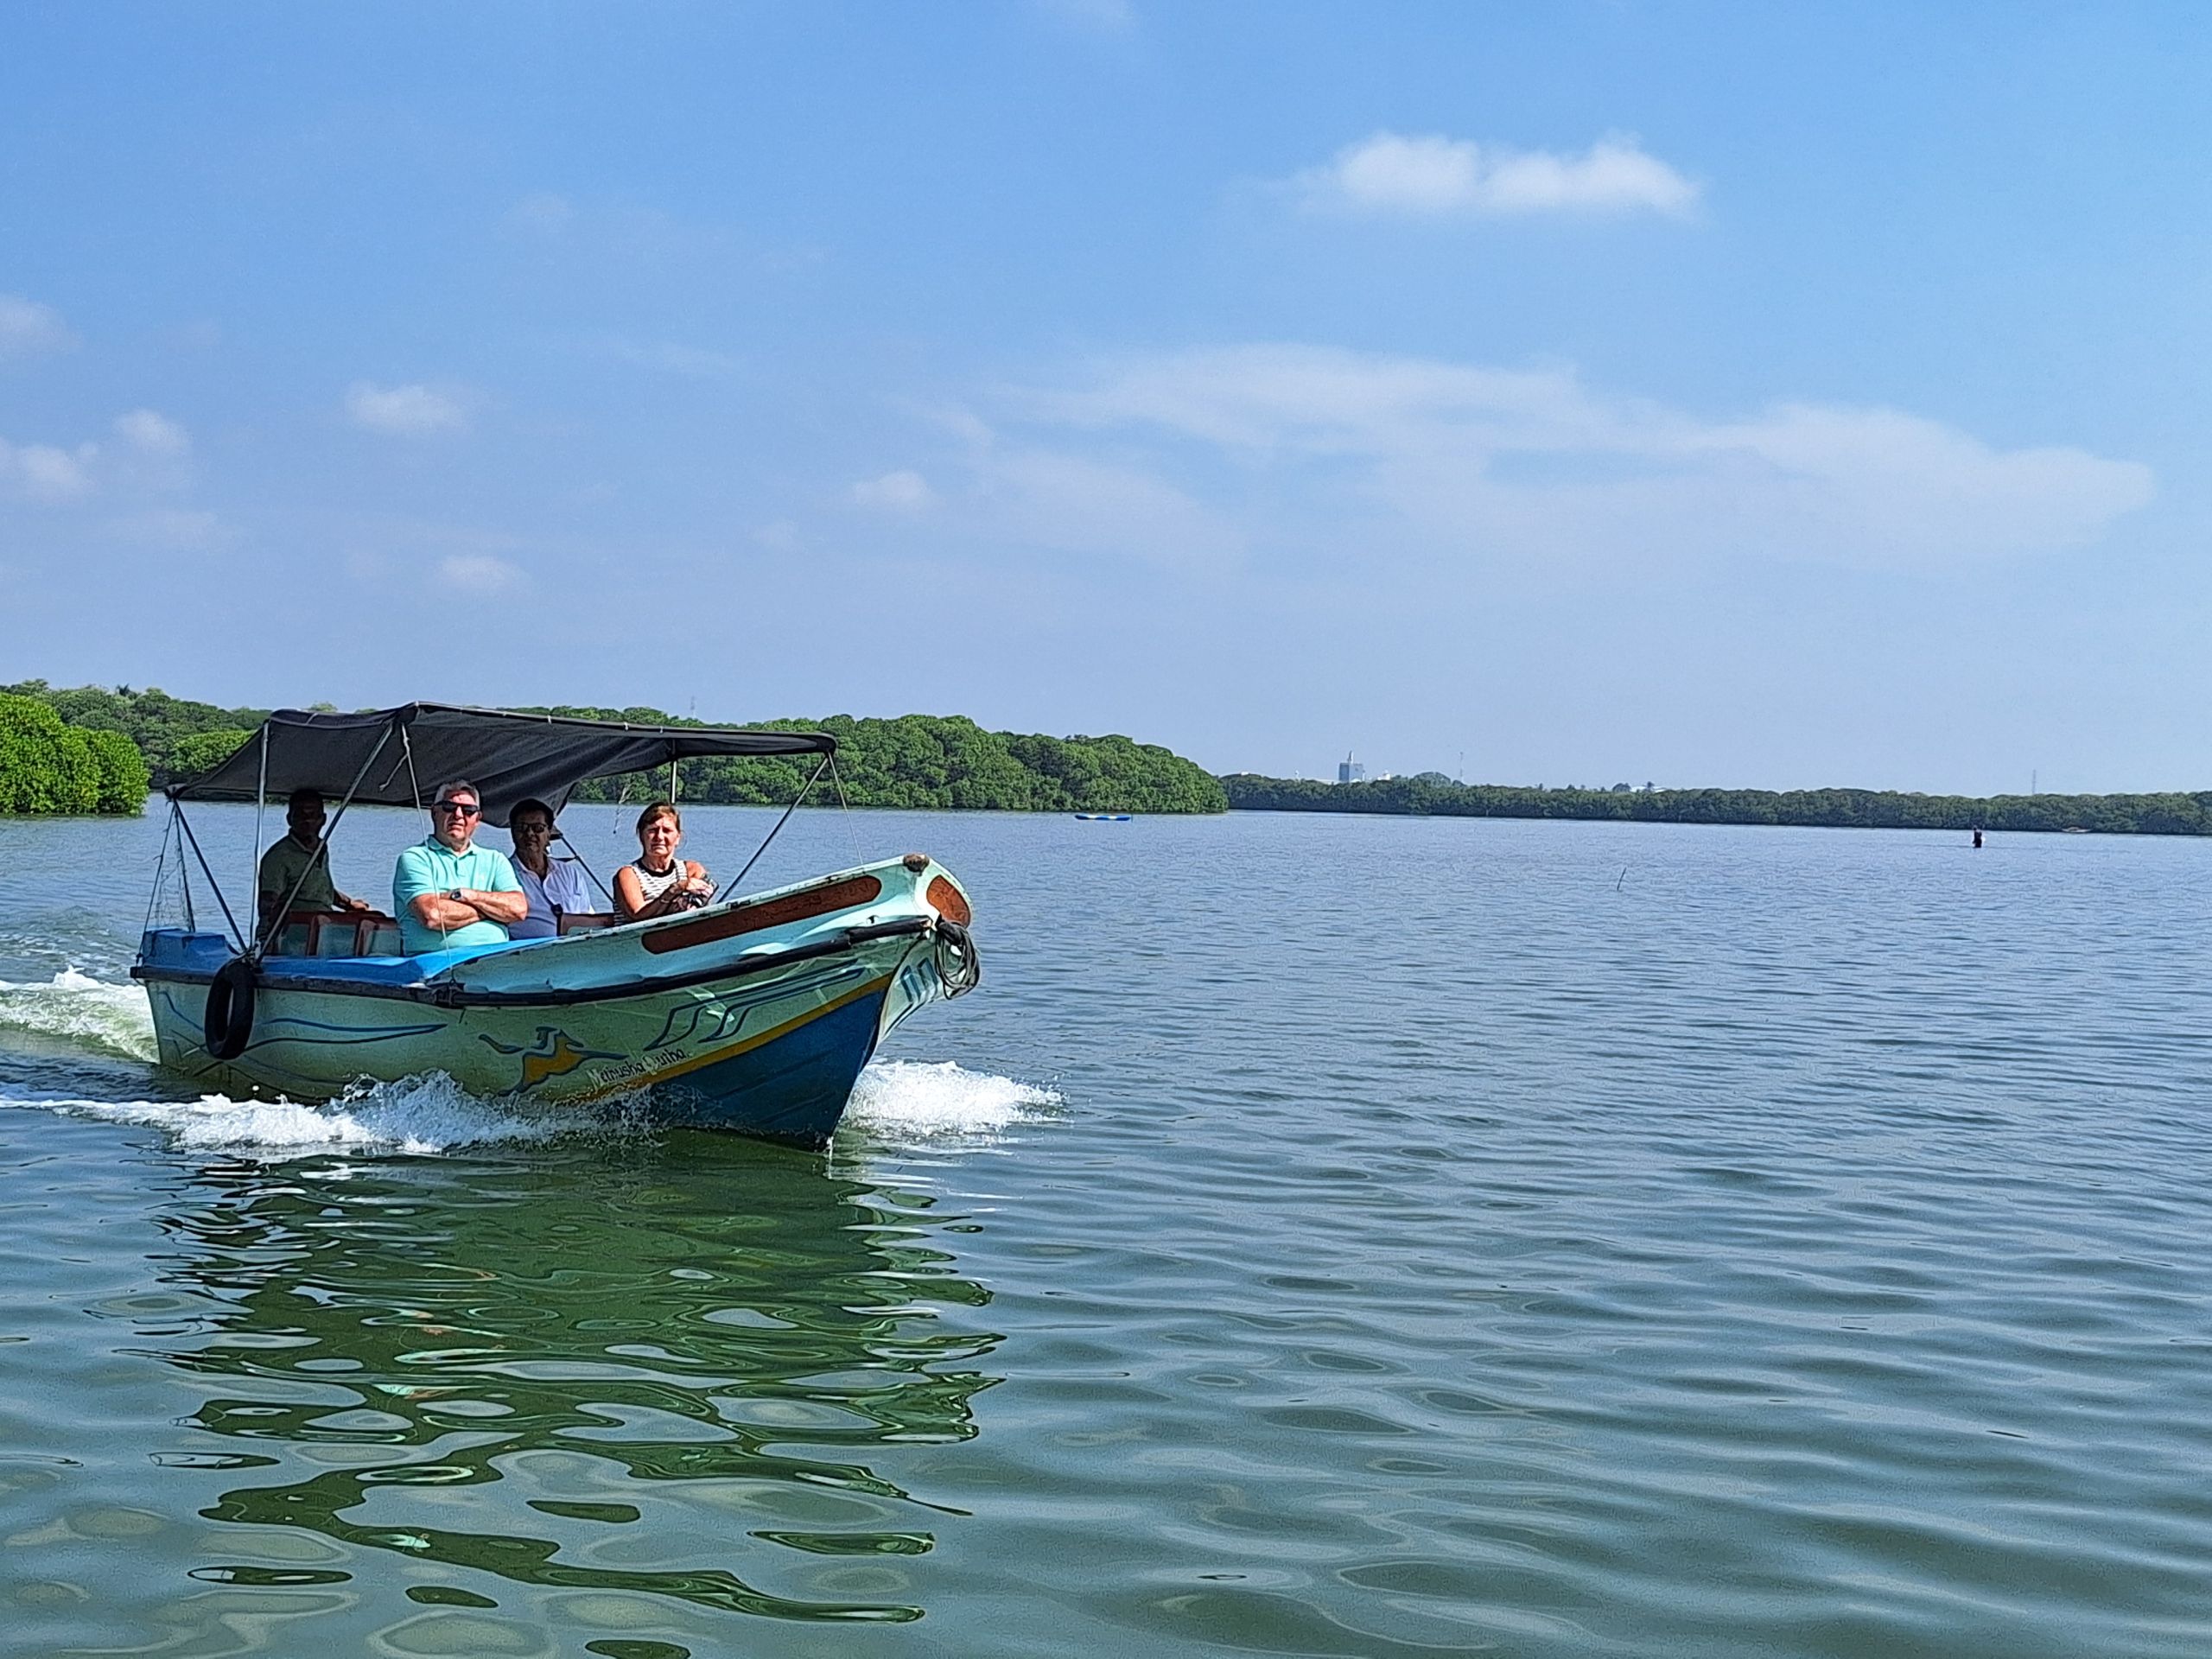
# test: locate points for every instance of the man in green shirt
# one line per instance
(448, 891)
(300, 857)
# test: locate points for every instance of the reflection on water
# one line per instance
(674, 1374)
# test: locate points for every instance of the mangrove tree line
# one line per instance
(1866, 809)
(914, 761)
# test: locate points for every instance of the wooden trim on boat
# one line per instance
(766, 912)
(948, 902)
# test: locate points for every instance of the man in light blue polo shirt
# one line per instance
(448, 891)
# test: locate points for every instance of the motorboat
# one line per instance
(755, 1013)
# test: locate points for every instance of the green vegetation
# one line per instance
(915, 760)
(177, 738)
(48, 765)
(1868, 809)
(934, 761)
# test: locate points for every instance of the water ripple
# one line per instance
(1792, 1248)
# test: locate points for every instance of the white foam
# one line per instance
(910, 1099)
(418, 1116)
(75, 1006)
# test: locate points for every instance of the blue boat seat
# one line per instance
(179, 950)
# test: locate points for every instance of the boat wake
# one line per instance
(894, 1099)
(91, 1013)
(417, 1117)
(908, 1100)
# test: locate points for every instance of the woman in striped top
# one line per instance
(658, 882)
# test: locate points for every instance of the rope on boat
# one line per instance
(237, 932)
(160, 870)
(958, 967)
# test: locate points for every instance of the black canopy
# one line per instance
(400, 755)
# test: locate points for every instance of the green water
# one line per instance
(1316, 1236)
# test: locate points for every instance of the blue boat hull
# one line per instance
(792, 1087)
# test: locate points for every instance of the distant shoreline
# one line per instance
(2174, 814)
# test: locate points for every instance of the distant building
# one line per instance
(1349, 771)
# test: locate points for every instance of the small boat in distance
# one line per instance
(755, 1013)
(1101, 818)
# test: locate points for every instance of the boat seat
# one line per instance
(587, 921)
(336, 933)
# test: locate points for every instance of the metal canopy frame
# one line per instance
(578, 750)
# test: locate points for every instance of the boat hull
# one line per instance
(755, 1017)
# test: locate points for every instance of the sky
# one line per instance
(1748, 396)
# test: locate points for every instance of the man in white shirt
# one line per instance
(555, 886)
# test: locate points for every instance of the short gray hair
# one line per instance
(444, 791)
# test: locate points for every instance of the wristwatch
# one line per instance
(456, 895)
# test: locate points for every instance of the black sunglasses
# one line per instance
(461, 807)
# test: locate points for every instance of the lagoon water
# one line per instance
(1318, 1236)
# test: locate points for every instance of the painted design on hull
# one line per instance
(270, 1030)
(790, 1085)
(711, 1018)
(555, 1054)
(673, 1065)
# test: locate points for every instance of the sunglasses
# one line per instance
(460, 809)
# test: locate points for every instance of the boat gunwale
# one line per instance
(444, 993)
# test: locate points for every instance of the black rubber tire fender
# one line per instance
(228, 1024)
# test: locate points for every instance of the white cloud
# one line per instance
(27, 327)
(1531, 467)
(899, 492)
(1075, 503)
(405, 411)
(1433, 176)
(477, 573)
(153, 434)
(46, 474)
(781, 535)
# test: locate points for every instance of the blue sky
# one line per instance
(1741, 394)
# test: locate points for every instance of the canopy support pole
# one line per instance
(589, 871)
(322, 850)
(185, 823)
(260, 800)
(778, 830)
(414, 783)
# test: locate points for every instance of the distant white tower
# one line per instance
(1349, 771)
